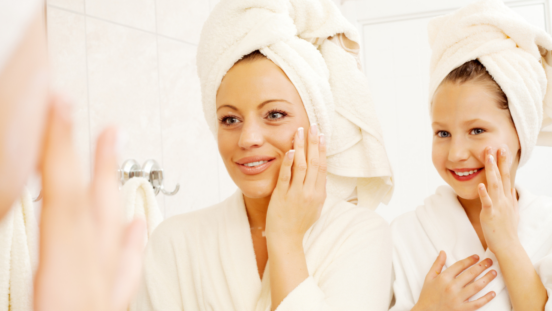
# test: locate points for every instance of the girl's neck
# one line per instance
(256, 211)
(472, 209)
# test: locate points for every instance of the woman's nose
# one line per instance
(251, 136)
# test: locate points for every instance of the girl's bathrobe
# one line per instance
(442, 224)
(204, 260)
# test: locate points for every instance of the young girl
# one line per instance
(492, 239)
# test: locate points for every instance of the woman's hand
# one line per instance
(89, 258)
(295, 205)
(452, 289)
(499, 212)
(299, 195)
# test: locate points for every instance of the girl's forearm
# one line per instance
(524, 284)
(287, 267)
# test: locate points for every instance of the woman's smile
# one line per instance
(254, 165)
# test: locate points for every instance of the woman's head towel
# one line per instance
(15, 18)
(515, 53)
(293, 34)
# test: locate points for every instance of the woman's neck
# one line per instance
(256, 211)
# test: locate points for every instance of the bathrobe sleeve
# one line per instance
(403, 299)
(160, 286)
(359, 276)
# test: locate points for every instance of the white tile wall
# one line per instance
(131, 63)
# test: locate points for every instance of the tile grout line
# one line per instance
(90, 141)
(159, 99)
(122, 25)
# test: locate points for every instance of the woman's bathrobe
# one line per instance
(204, 260)
(442, 224)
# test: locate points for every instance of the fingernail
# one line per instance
(64, 108)
(493, 294)
(314, 130)
(300, 133)
(491, 158)
(493, 272)
(490, 150)
(502, 152)
(290, 154)
(476, 257)
(322, 139)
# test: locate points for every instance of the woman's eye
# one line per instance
(275, 115)
(477, 131)
(443, 134)
(230, 120)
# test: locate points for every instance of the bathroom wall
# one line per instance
(132, 63)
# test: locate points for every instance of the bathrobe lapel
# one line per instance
(448, 227)
(239, 264)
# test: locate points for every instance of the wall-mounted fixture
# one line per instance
(150, 170)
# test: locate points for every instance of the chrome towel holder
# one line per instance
(151, 170)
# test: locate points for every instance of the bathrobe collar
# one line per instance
(449, 229)
(240, 266)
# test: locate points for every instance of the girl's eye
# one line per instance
(229, 120)
(443, 134)
(477, 131)
(276, 115)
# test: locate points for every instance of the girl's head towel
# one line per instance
(314, 45)
(516, 54)
(15, 17)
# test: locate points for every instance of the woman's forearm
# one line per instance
(524, 284)
(287, 267)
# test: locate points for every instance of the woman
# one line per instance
(83, 242)
(281, 241)
(492, 237)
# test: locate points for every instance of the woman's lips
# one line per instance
(254, 170)
(468, 177)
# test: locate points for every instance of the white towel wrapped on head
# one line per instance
(294, 35)
(515, 53)
(18, 255)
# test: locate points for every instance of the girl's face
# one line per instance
(259, 110)
(466, 119)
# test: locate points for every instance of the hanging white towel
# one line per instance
(18, 255)
(317, 48)
(442, 224)
(140, 202)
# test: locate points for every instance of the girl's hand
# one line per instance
(299, 195)
(499, 213)
(452, 289)
(89, 258)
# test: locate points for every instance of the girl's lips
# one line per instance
(254, 170)
(466, 178)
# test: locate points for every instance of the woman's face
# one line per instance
(24, 93)
(259, 110)
(466, 119)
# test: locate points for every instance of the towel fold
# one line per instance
(18, 255)
(317, 48)
(515, 53)
(140, 201)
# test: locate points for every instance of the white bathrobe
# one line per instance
(442, 224)
(204, 260)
